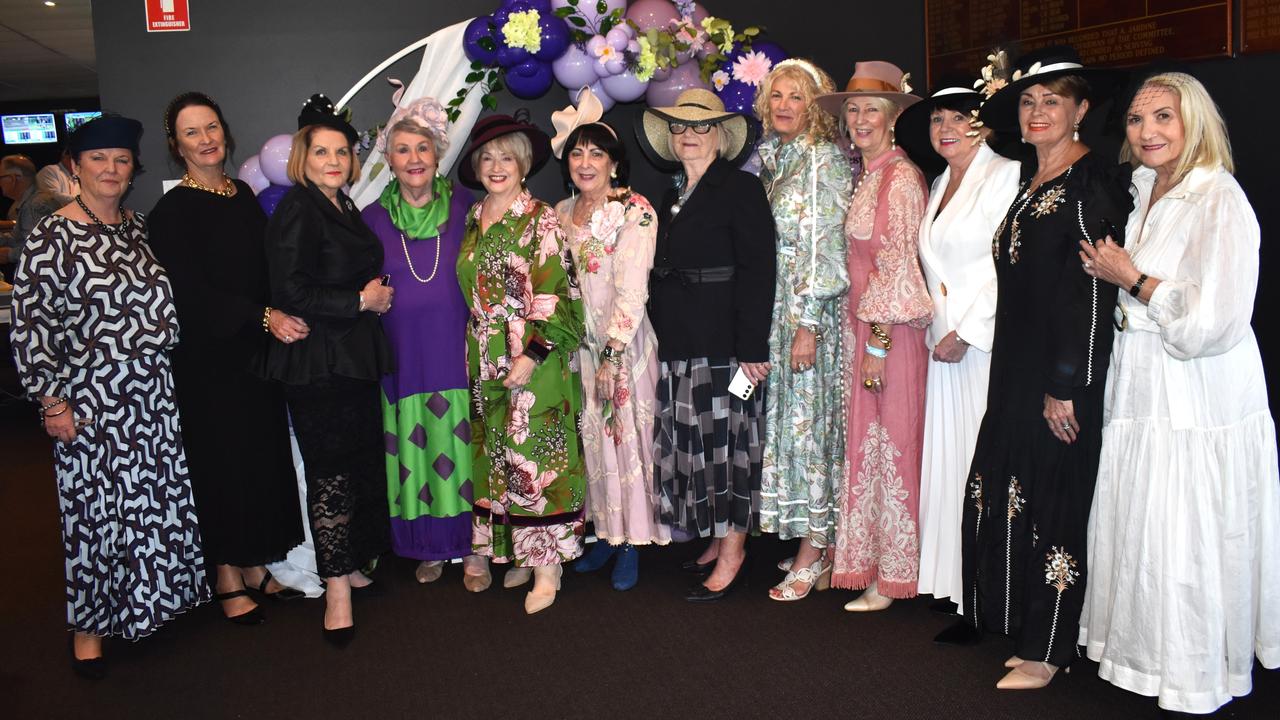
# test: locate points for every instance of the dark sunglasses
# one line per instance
(679, 128)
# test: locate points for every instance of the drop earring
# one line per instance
(1075, 132)
(893, 139)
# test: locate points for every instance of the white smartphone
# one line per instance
(741, 385)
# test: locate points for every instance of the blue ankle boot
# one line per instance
(626, 571)
(596, 558)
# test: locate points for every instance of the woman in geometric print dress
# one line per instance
(93, 323)
(526, 326)
(420, 218)
(1036, 458)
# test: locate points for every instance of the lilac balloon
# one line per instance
(660, 74)
(595, 45)
(478, 29)
(529, 80)
(618, 39)
(251, 173)
(555, 37)
(699, 14)
(273, 158)
(624, 87)
(270, 197)
(683, 77)
(574, 68)
(614, 67)
(597, 89)
(649, 14)
(587, 9)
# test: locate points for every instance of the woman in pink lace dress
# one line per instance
(877, 536)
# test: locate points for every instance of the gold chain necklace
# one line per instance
(227, 190)
(434, 266)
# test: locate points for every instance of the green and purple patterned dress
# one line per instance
(530, 485)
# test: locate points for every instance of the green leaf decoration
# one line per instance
(564, 12)
(576, 20)
(475, 77)
(489, 102)
(602, 7)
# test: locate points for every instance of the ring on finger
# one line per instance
(1066, 426)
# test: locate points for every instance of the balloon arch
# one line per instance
(624, 51)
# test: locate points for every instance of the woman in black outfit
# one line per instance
(324, 265)
(1031, 483)
(711, 303)
(208, 234)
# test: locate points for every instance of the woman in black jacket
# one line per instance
(710, 301)
(324, 265)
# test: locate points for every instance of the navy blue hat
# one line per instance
(318, 110)
(107, 131)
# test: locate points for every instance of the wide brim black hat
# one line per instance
(319, 110)
(106, 131)
(492, 128)
(911, 130)
(1041, 66)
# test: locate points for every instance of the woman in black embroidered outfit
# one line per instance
(93, 325)
(1031, 482)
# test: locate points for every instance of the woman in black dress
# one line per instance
(324, 264)
(208, 233)
(1031, 483)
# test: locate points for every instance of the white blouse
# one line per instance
(955, 248)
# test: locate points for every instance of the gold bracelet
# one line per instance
(882, 336)
(266, 319)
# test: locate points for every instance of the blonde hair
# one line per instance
(821, 125)
(890, 109)
(515, 143)
(1205, 134)
(296, 168)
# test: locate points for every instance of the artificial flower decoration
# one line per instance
(906, 82)
(719, 79)
(752, 68)
(646, 60)
(522, 31)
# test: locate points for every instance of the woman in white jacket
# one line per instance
(1184, 533)
(966, 204)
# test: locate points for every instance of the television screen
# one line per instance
(74, 120)
(29, 129)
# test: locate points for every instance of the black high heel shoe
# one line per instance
(253, 617)
(694, 567)
(287, 593)
(90, 669)
(340, 638)
(701, 593)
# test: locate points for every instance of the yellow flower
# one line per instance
(522, 31)
(647, 62)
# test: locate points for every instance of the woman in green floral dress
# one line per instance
(809, 184)
(526, 326)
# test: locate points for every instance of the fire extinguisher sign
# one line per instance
(168, 16)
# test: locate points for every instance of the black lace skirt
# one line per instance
(338, 424)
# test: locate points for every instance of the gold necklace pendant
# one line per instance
(227, 190)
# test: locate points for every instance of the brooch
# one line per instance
(1049, 201)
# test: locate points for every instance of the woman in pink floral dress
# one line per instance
(877, 536)
(611, 231)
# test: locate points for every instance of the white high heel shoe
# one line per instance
(538, 599)
(869, 601)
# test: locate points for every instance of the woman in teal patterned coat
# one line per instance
(809, 184)
(526, 325)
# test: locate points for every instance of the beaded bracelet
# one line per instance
(266, 319)
(874, 351)
(52, 405)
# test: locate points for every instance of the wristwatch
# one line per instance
(610, 354)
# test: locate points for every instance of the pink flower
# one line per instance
(593, 264)
(539, 546)
(542, 307)
(525, 484)
(752, 68)
(515, 336)
(518, 425)
(606, 221)
(519, 286)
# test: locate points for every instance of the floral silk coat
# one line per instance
(518, 281)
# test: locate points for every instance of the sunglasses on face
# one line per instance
(679, 128)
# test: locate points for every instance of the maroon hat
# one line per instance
(495, 126)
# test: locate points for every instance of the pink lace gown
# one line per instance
(877, 534)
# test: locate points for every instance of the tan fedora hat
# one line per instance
(695, 106)
(872, 78)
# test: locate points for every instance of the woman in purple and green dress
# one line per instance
(420, 219)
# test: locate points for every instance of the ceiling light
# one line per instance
(50, 3)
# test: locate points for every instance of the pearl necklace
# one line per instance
(434, 266)
(227, 190)
(116, 229)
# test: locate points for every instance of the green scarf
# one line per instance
(418, 223)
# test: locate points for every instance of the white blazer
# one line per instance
(955, 248)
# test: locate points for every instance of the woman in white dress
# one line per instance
(966, 204)
(1184, 535)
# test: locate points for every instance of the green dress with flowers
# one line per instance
(530, 487)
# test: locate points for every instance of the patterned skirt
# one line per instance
(133, 555)
(710, 447)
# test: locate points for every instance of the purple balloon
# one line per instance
(273, 158)
(683, 77)
(529, 80)
(660, 74)
(251, 174)
(509, 57)
(617, 38)
(270, 197)
(649, 14)
(739, 96)
(555, 37)
(624, 87)
(574, 68)
(477, 29)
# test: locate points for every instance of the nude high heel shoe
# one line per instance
(475, 573)
(1020, 679)
(869, 601)
(538, 599)
(516, 577)
(1013, 661)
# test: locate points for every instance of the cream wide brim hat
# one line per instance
(694, 107)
